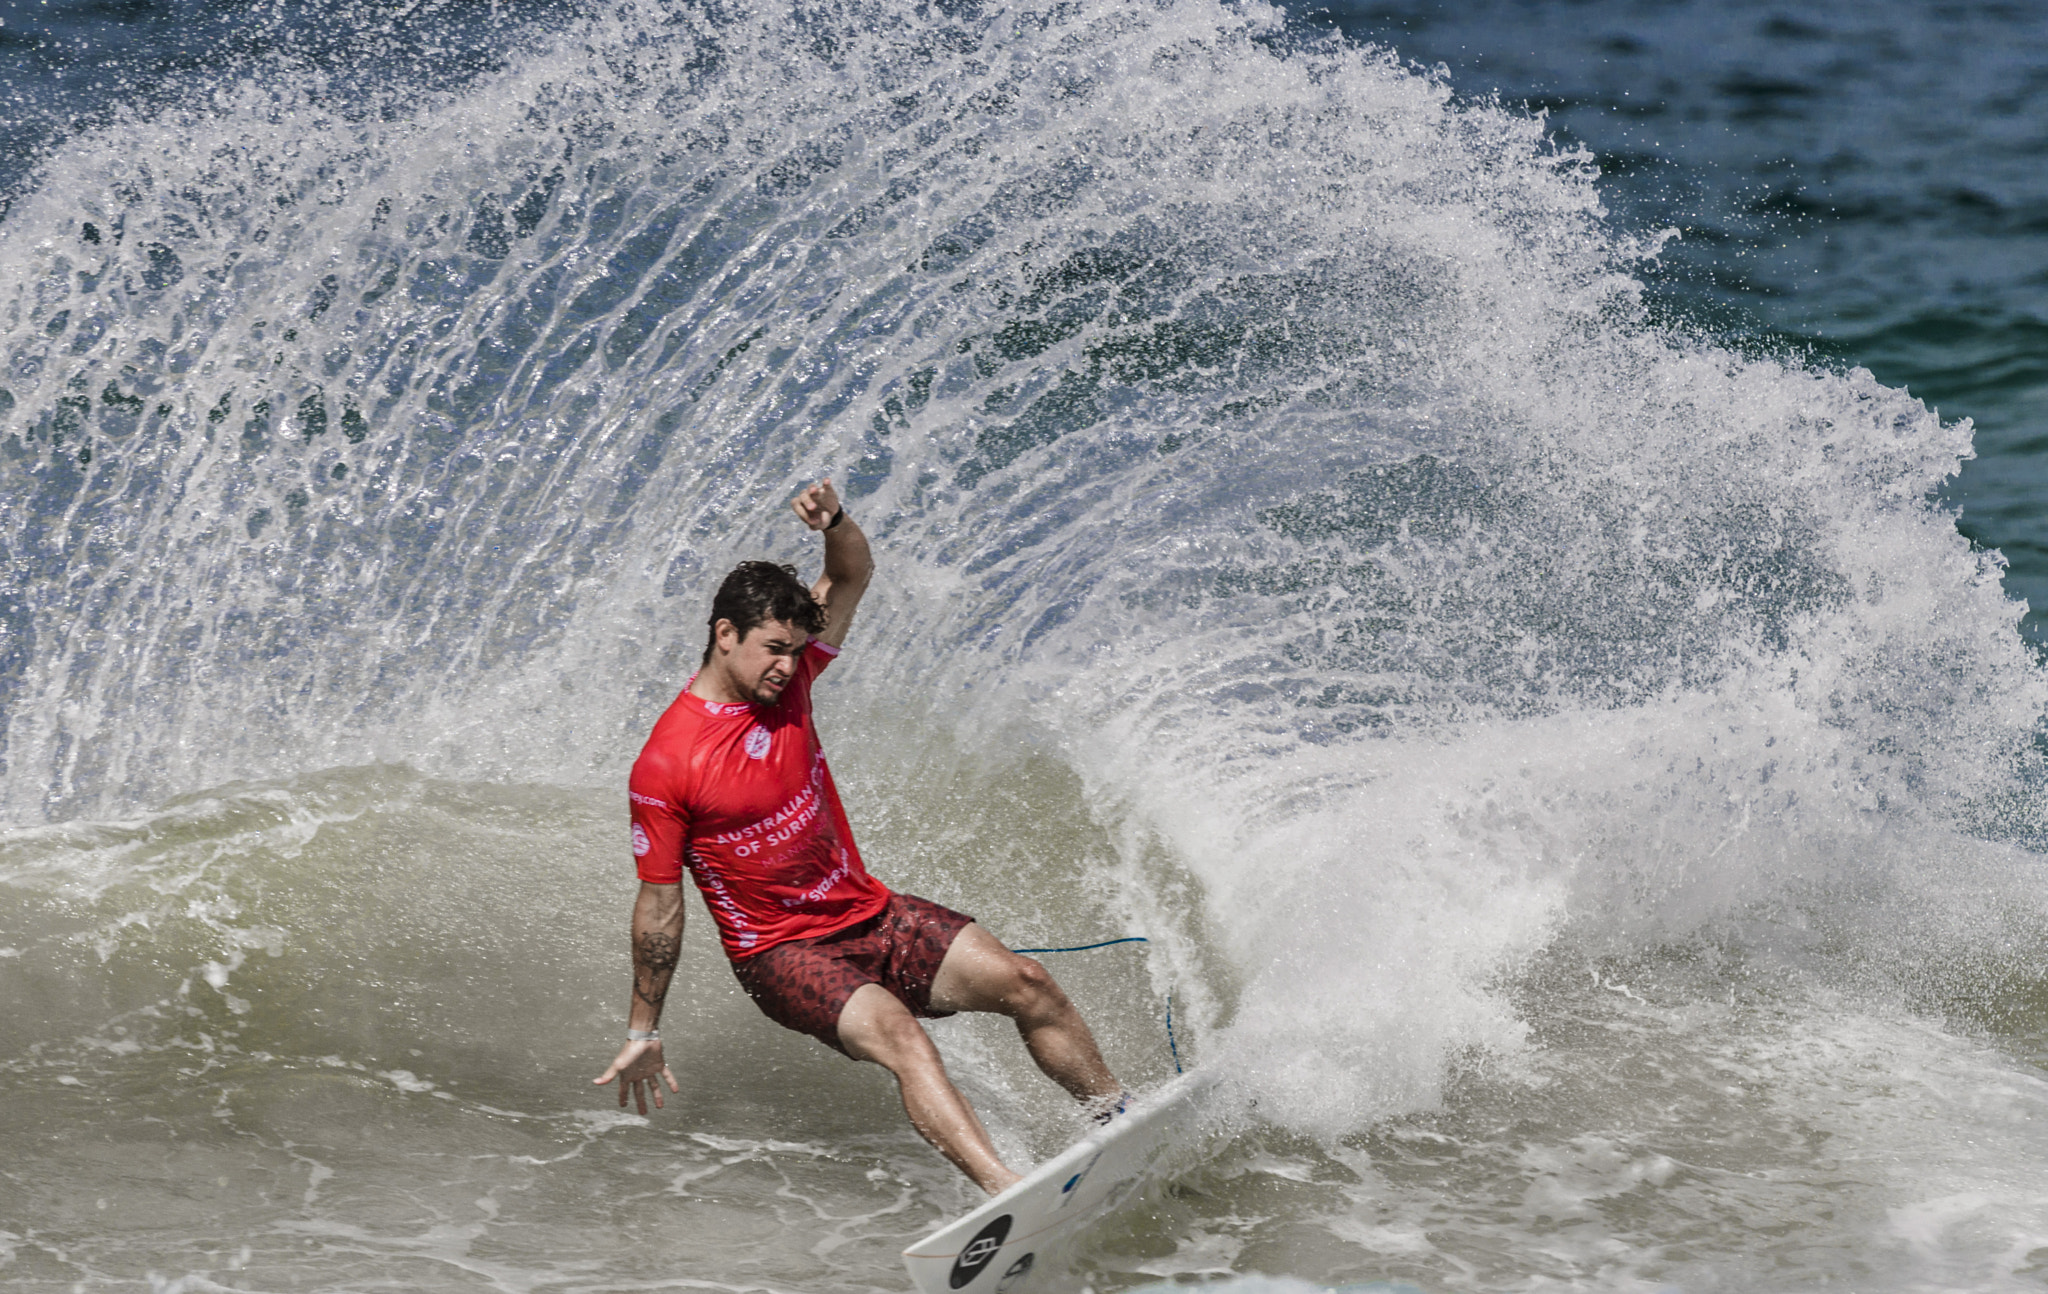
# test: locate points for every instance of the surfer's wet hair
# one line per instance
(757, 592)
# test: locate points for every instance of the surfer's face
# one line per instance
(761, 664)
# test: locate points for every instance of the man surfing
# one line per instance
(732, 786)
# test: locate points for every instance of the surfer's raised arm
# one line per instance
(848, 563)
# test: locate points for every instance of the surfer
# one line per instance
(733, 787)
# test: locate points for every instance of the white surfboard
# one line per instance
(1021, 1234)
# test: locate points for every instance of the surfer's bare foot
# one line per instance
(1104, 1108)
(998, 1183)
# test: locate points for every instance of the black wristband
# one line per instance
(837, 517)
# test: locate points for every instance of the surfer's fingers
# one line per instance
(809, 504)
(671, 1080)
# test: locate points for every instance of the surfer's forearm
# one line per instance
(657, 939)
(848, 560)
(657, 943)
(848, 567)
(849, 564)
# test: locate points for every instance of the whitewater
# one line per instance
(1572, 776)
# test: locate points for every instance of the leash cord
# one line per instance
(1171, 1044)
(1082, 948)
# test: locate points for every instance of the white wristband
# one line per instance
(643, 1035)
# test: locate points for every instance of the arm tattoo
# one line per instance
(654, 963)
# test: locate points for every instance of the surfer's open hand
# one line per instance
(636, 1064)
(817, 505)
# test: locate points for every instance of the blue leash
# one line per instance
(1082, 948)
(1171, 1045)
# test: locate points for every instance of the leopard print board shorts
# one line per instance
(804, 984)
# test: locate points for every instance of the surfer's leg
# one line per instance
(875, 1026)
(980, 974)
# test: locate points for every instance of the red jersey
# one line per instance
(740, 794)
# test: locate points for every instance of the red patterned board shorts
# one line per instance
(803, 984)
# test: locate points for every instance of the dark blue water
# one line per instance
(1863, 182)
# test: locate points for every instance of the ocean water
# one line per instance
(1859, 183)
(1456, 523)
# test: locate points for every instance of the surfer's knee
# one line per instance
(1032, 976)
(892, 1039)
(1032, 991)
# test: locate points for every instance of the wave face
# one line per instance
(1271, 439)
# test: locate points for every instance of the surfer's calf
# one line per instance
(978, 974)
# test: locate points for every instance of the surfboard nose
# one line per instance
(1015, 1238)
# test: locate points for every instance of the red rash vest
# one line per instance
(740, 794)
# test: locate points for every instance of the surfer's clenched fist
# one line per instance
(733, 788)
(818, 506)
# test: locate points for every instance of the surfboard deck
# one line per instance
(1020, 1235)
